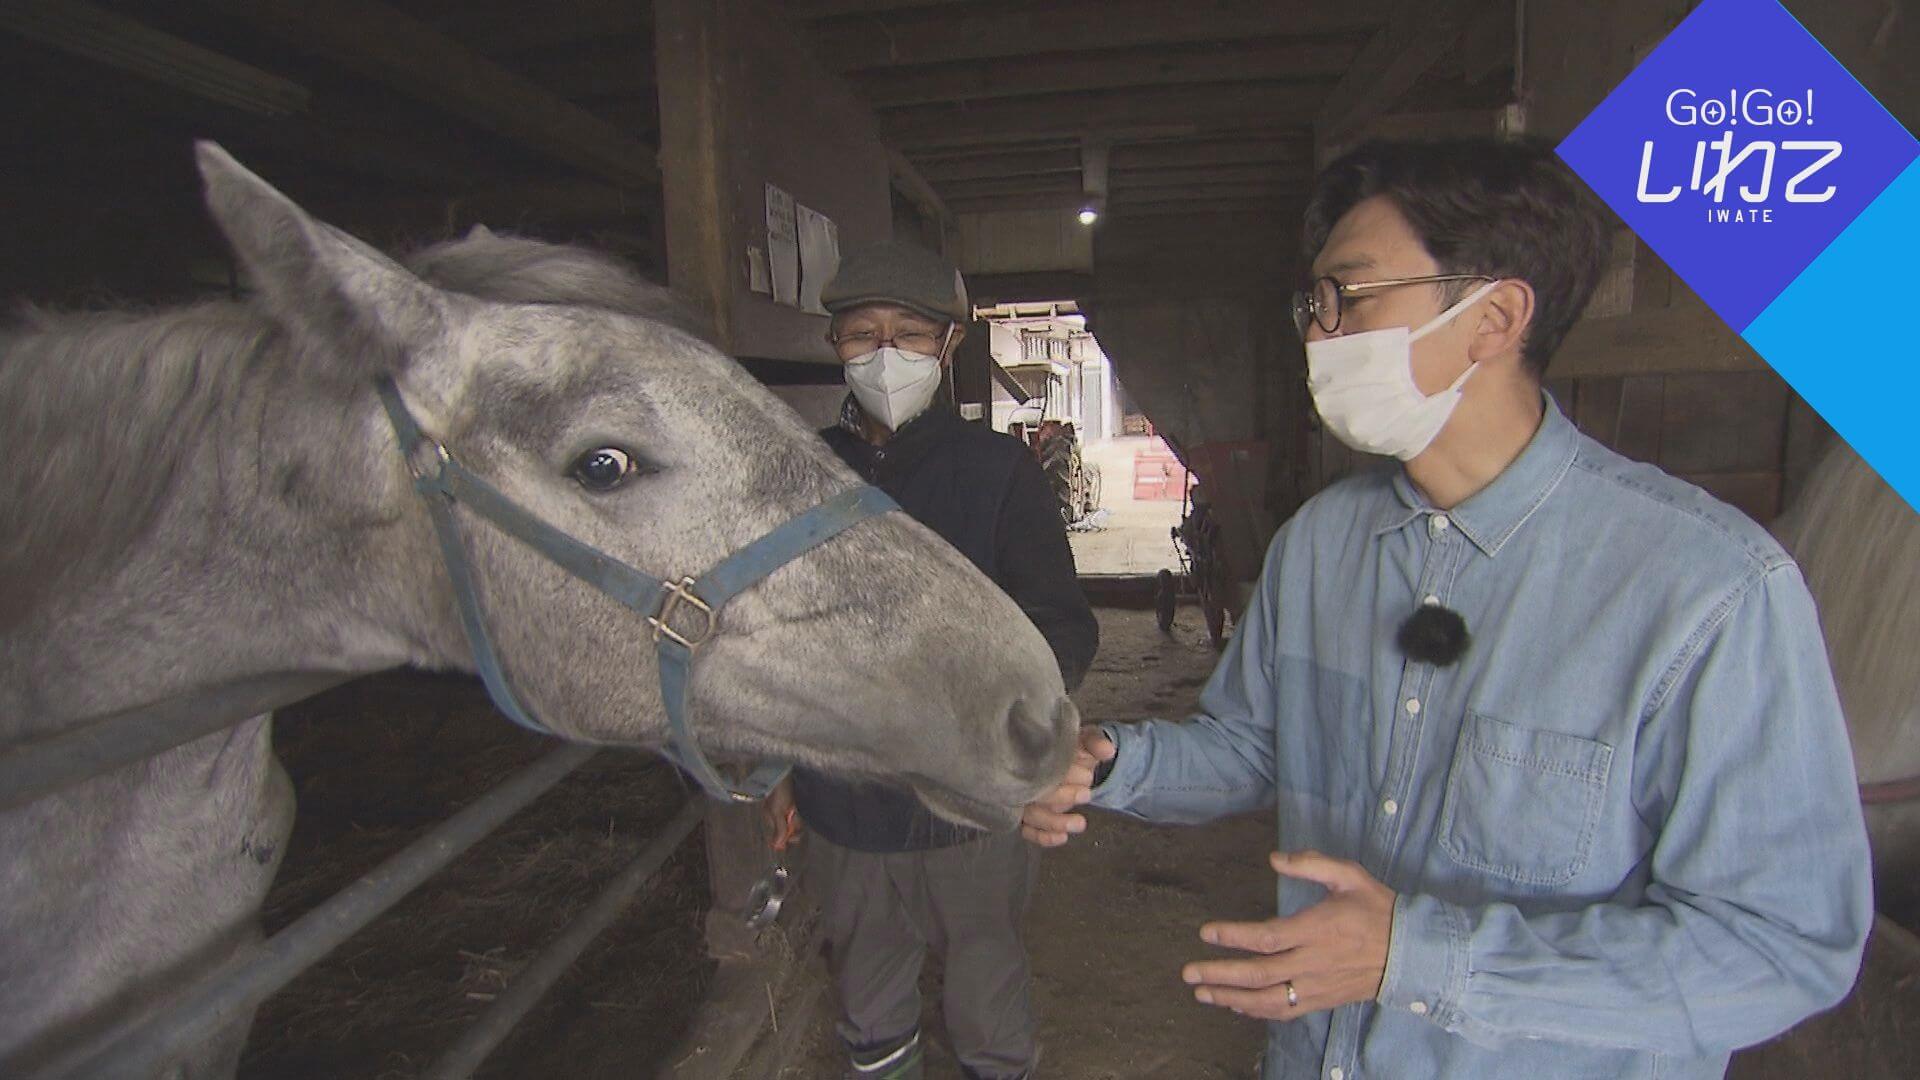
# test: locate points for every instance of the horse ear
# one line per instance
(351, 303)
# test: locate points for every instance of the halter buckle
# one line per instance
(677, 594)
(428, 466)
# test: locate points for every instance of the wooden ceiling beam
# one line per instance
(109, 38)
(504, 29)
(1284, 213)
(1139, 201)
(932, 35)
(1487, 43)
(1072, 72)
(329, 136)
(1298, 174)
(807, 10)
(963, 152)
(621, 68)
(1415, 38)
(505, 207)
(1116, 116)
(1039, 201)
(911, 183)
(394, 48)
(1206, 192)
(1295, 145)
(1431, 125)
(994, 187)
(1033, 286)
(995, 166)
(1133, 187)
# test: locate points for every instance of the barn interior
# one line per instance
(984, 129)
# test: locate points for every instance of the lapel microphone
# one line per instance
(1434, 635)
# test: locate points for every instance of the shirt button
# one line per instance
(1336, 1073)
(1418, 1008)
(1413, 706)
(1440, 524)
(1390, 807)
(1431, 600)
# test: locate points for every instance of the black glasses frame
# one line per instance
(1307, 306)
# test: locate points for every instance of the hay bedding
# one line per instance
(377, 762)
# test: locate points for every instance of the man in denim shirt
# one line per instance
(1562, 783)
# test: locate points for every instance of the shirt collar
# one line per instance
(1494, 513)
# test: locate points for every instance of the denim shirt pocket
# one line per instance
(1523, 804)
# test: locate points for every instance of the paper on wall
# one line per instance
(783, 247)
(758, 278)
(819, 256)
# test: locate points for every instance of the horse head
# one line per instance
(587, 397)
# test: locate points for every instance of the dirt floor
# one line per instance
(1118, 911)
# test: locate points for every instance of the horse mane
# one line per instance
(101, 408)
(1858, 545)
(517, 270)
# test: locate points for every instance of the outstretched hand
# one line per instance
(1049, 821)
(1330, 954)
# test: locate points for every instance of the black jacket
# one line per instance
(984, 494)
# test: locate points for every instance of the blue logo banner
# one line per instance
(1775, 186)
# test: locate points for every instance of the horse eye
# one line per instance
(603, 469)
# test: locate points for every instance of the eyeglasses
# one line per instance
(860, 342)
(1321, 303)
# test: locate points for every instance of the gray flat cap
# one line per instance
(896, 273)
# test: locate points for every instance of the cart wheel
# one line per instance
(1165, 596)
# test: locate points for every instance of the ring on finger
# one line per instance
(1293, 996)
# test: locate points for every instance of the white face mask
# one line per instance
(1363, 386)
(894, 385)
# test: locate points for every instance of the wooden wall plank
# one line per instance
(1686, 337)
(1728, 422)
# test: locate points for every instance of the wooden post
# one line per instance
(690, 51)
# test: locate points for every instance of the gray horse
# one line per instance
(1858, 543)
(197, 495)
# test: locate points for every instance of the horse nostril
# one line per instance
(1066, 716)
(1033, 733)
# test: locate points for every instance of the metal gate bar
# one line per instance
(497, 1022)
(218, 999)
(60, 761)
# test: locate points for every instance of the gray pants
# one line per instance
(882, 911)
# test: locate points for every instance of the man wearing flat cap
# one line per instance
(893, 878)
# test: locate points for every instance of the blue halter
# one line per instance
(667, 604)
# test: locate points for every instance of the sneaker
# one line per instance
(895, 1061)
